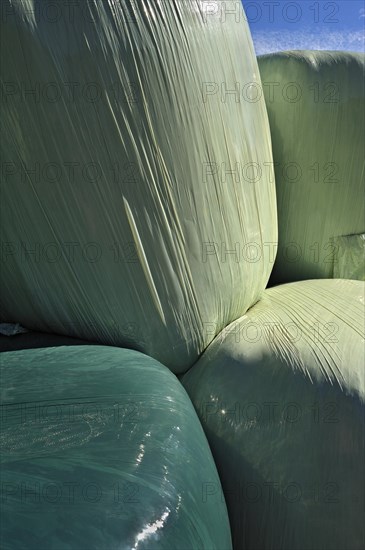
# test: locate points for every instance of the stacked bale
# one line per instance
(315, 103)
(131, 172)
(139, 210)
(280, 394)
(101, 448)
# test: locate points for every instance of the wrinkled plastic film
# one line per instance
(315, 102)
(128, 180)
(280, 394)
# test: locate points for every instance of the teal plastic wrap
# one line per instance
(101, 449)
(280, 394)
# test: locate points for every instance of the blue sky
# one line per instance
(306, 24)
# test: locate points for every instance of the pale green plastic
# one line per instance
(280, 394)
(122, 234)
(315, 102)
(350, 261)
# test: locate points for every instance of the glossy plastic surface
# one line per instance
(101, 449)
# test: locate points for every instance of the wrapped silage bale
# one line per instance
(315, 102)
(101, 448)
(280, 394)
(135, 161)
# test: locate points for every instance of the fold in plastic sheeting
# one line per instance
(280, 394)
(102, 448)
(315, 103)
(350, 263)
(138, 203)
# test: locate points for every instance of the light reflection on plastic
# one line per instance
(151, 528)
(141, 454)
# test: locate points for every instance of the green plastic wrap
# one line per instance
(315, 102)
(119, 208)
(351, 257)
(101, 449)
(280, 394)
